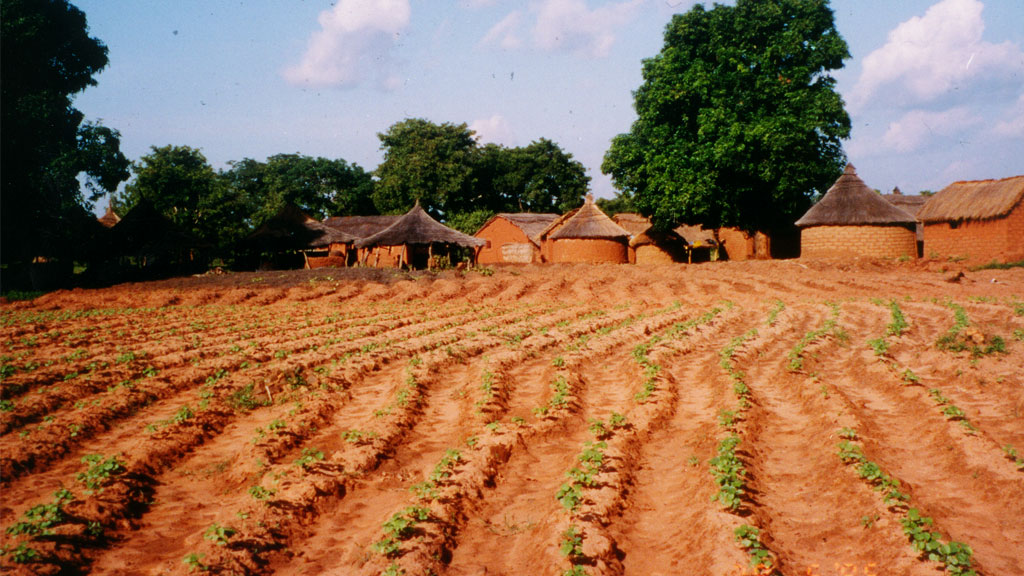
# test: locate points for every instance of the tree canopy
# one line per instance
(48, 57)
(461, 182)
(738, 121)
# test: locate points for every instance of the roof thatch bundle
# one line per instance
(531, 224)
(417, 227)
(663, 238)
(696, 234)
(633, 223)
(974, 200)
(587, 221)
(849, 202)
(293, 229)
(361, 226)
(909, 204)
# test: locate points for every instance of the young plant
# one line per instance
(100, 471)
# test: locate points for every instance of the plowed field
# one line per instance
(730, 418)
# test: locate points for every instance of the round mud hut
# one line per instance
(415, 241)
(854, 220)
(585, 235)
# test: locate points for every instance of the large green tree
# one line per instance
(456, 179)
(739, 123)
(45, 144)
(431, 163)
(181, 184)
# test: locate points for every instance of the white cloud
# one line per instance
(505, 33)
(919, 127)
(494, 129)
(354, 41)
(1013, 127)
(565, 25)
(928, 57)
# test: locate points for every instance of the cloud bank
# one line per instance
(563, 26)
(353, 44)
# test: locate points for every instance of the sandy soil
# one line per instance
(528, 421)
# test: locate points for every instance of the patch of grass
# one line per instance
(996, 265)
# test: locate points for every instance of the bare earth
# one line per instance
(366, 421)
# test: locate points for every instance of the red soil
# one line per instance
(274, 422)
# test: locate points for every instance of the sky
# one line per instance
(934, 89)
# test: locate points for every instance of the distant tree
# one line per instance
(48, 56)
(926, 193)
(739, 122)
(621, 203)
(320, 187)
(427, 162)
(469, 222)
(540, 177)
(182, 185)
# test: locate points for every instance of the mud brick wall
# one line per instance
(588, 250)
(871, 241)
(500, 233)
(740, 245)
(999, 239)
(652, 254)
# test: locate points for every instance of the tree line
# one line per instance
(738, 124)
(441, 166)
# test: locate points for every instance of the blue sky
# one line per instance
(935, 89)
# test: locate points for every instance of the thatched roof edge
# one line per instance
(974, 200)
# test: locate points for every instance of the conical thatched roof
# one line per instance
(531, 224)
(109, 218)
(293, 229)
(849, 202)
(974, 200)
(417, 227)
(587, 221)
(361, 226)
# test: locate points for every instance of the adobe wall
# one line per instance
(649, 254)
(499, 233)
(381, 256)
(588, 250)
(739, 245)
(871, 241)
(978, 240)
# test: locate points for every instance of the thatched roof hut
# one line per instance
(981, 220)
(909, 204)
(411, 241)
(650, 246)
(585, 234)
(292, 229)
(854, 220)
(513, 237)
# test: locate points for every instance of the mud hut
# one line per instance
(737, 244)
(415, 240)
(585, 234)
(513, 238)
(982, 220)
(650, 246)
(854, 220)
(293, 239)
